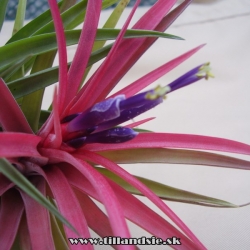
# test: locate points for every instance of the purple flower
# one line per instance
(95, 124)
(194, 75)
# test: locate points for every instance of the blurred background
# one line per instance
(36, 7)
(218, 107)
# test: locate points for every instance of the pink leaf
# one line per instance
(168, 140)
(53, 140)
(97, 159)
(12, 145)
(63, 68)
(5, 184)
(135, 124)
(146, 80)
(97, 220)
(38, 218)
(10, 216)
(84, 48)
(67, 204)
(57, 124)
(107, 195)
(90, 88)
(24, 237)
(162, 26)
(100, 89)
(134, 210)
(145, 218)
(11, 117)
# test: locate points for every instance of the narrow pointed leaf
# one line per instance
(167, 192)
(143, 47)
(84, 48)
(12, 145)
(79, 19)
(5, 184)
(30, 28)
(16, 177)
(47, 77)
(126, 49)
(97, 220)
(43, 23)
(147, 79)
(47, 42)
(168, 140)
(59, 239)
(11, 116)
(10, 216)
(107, 195)
(36, 214)
(12, 69)
(20, 15)
(62, 51)
(65, 197)
(175, 156)
(134, 210)
(97, 159)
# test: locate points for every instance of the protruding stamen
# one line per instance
(194, 75)
(157, 93)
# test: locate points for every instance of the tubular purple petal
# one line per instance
(194, 75)
(99, 113)
(129, 114)
(113, 135)
(113, 111)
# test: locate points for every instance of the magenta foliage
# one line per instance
(58, 159)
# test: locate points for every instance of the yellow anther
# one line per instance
(157, 92)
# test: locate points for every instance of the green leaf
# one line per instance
(30, 28)
(9, 71)
(167, 192)
(44, 24)
(16, 177)
(3, 4)
(20, 15)
(58, 233)
(25, 85)
(44, 115)
(43, 43)
(31, 104)
(116, 14)
(79, 18)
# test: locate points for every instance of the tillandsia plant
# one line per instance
(55, 163)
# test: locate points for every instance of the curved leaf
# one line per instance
(169, 140)
(134, 210)
(174, 156)
(47, 77)
(10, 217)
(20, 15)
(47, 42)
(11, 117)
(15, 176)
(12, 145)
(167, 192)
(34, 25)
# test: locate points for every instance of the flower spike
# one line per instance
(95, 125)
